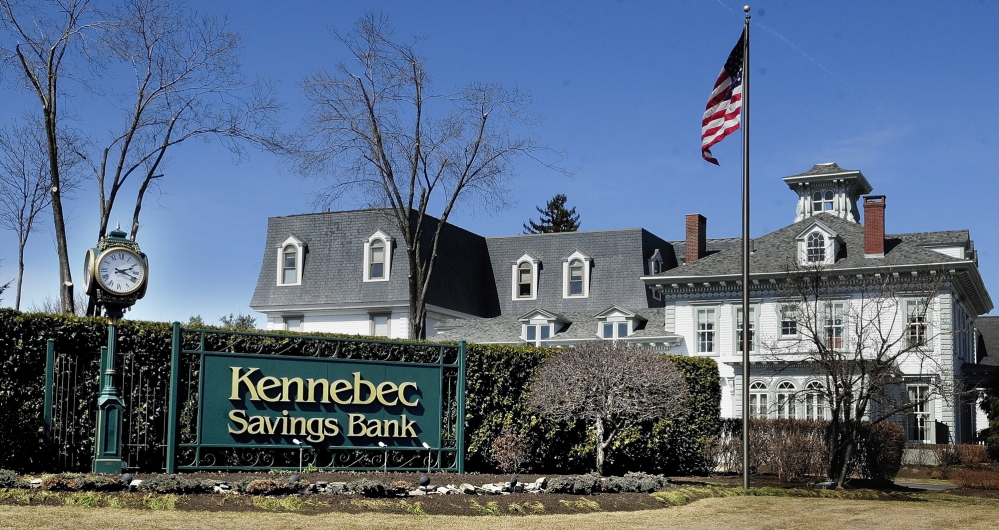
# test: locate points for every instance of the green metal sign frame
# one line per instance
(244, 401)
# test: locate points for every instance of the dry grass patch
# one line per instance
(939, 511)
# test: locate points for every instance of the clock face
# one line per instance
(121, 271)
(88, 272)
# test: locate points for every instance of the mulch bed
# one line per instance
(509, 504)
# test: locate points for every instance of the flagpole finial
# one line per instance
(746, 9)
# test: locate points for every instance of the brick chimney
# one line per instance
(697, 228)
(874, 226)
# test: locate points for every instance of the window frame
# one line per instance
(815, 401)
(373, 325)
(828, 315)
(291, 242)
(754, 326)
(758, 398)
(826, 201)
(286, 321)
(918, 316)
(615, 327)
(585, 263)
(815, 253)
(706, 340)
(785, 403)
(387, 243)
(538, 329)
(920, 421)
(533, 265)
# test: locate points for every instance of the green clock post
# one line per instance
(115, 273)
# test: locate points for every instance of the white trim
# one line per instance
(515, 290)
(299, 259)
(566, 280)
(386, 240)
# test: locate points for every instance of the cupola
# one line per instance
(829, 190)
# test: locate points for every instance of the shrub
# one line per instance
(787, 448)
(269, 487)
(368, 488)
(972, 456)
(634, 483)
(510, 451)
(82, 482)
(969, 478)
(577, 485)
(946, 455)
(881, 450)
(399, 488)
(176, 484)
(10, 480)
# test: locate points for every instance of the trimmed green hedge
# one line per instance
(497, 379)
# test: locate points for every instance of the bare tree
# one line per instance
(380, 134)
(24, 184)
(862, 335)
(609, 385)
(187, 83)
(46, 38)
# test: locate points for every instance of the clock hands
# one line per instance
(126, 272)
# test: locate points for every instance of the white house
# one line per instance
(704, 298)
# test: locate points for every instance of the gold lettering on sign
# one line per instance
(354, 391)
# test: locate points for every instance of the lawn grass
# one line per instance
(930, 510)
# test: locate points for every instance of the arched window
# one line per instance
(816, 248)
(758, 400)
(822, 201)
(289, 264)
(576, 277)
(376, 259)
(815, 401)
(785, 400)
(525, 280)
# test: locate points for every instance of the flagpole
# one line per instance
(746, 314)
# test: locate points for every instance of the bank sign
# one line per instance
(270, 400)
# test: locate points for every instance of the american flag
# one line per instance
(724, 110)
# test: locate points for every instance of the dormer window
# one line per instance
(377, 257)
(656, 262)
(290, 255)
(616, 323)
(538, 326)
(576, 276)
(816, 248)
(525, 278)
(817, 245)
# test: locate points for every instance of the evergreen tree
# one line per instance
(554, 218)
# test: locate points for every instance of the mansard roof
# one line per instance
(332, 271)
(618, 260)
(472, 274)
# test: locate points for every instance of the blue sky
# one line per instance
(899, 91)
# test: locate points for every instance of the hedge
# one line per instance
(497, 379)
